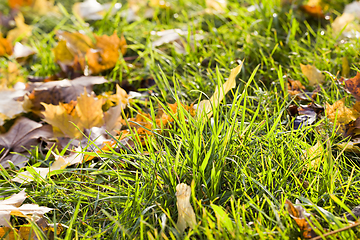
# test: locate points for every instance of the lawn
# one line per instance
(279, 135)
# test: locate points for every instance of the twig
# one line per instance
(336, 231)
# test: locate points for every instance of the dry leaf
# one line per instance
(353, 86)
(341, 113)
(105, 54)
(92, 10)
(314, 154)
(23, 134)
(5, 47)
(11, 75)
(9, 107)
(55, 92)
(348, 21)
(313, 74)
(88, 108)
(60, 162)
(186, 215)
(208, 106)
(301, 217)
(217, 5)
(21, 31)
(12, 206)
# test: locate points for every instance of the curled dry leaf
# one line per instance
(21, 136)
(208, 106)
(93, 10)
(186, 215)
(60, 162)
(353, 86)
(12, 206)
(313, 74)
(301, 217)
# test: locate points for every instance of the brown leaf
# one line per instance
(55, 92)
(301, 217)
(23, 134)
(313, 74)
(353, 86)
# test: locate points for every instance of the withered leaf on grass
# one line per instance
(56, 92)
(353, 86)
(305, 115)
(301, 217)
(21, 31)
(86, 113)
(186, 215)
(9, 107)
(12, 206)
(21, 136)
(93, 10)
(76, 49)
(60, 162)
(313, 74)
(5, 47)
(339, 112)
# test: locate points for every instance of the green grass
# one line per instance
(248, 160)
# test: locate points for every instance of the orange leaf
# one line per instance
(5, 47)
(19, 3)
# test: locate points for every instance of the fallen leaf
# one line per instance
(208, 106)
(301, 217)
(314, 154)
(217, 5)
(5, 47)
(105, 54)
(60, 162)
(305, 115)
(21, 136)
(87, 114)
(89, 110)
(345, 69)
(56, 92)
(341, 113)
(314, 11)
(9, 107)
(313, 74)
(12, 207)
(353, 86)
(295, 87)
(10, 75)
(19, 3)
(186, 215)
(22, 52)
(93, 10)
(22, 30)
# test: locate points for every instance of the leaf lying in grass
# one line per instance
(208, 106)
(301, 217)
(21, 31)
(93, 10)
(305, 115)
(5, 47)
(315, 154)
(341, 113)
(353, 86)
(21, 52)
(60, 162)
(186, 215)
(23, 134)
(86, 114)
(56, 92)
(12, 206)
(11, 75)
(216, 5)
(78, 49)
(313, 74)
(9, 107)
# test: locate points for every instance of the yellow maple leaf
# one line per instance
(341, 113)
(313, 74)
(61, 121)
(21, 31)
(89, 110)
